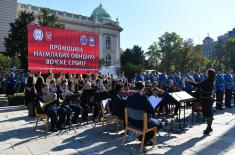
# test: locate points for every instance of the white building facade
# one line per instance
(7, 15)
(99, 22)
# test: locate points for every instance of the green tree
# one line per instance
(132, 61)
(154, 56)
(134, 56)
(229, 56)
(47, 19)
(170, 46)
(7, 62)
(197, 59)
(17, 41)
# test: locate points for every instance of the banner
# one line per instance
(61, 50)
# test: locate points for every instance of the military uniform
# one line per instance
(219, 88)
(228, 89)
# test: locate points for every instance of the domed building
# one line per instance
(100, 12)
(208, 47)
(99, 22)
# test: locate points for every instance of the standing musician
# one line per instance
(39, 82)
(51, 108)
(70, 102)
(220, 86)
(30, 88)
(206, 97)
(228, 77)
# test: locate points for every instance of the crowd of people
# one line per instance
(83, 94)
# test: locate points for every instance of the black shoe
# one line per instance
(229, 106)
(207, 131)
(74, 121)
(219, 108)
(148, 143)
(53, 129)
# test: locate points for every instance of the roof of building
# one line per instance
(100, 12)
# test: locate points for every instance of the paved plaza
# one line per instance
(17, 136)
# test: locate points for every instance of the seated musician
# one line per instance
(139, 101)
(118, 101)
(51, 109)
(52, 86)
(170, 89)
(101, 92)
(70, 102)
(87, 100)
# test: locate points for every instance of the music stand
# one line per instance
(181, 97)
(85, 97)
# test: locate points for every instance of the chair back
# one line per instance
(105, 106)
(136, 115)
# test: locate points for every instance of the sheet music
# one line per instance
(184, 95)
(104, 103)
(181, 96)
(154, 101)
(176, 97)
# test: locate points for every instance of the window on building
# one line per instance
(69, 14)
(108, 59)
(60, 13)
(34, 8)
(108, 43)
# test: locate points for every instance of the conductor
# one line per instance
(206, 97)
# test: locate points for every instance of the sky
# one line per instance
(144, 21)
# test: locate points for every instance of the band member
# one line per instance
(80, 84)
(178, 81)
(233, 89)
(206, 97)
(87, 100)
(139, 101)
(228, 78)
(39, 82)
(52, 109)
(30, 88)
(53, 87)
(118, 102)
(49, 78)
(162, 80)
(71, 104)
(197, 77)
(220, 84)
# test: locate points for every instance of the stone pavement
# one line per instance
(18, 137)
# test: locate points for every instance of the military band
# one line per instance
(83, 95)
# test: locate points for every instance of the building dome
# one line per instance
(100, 12)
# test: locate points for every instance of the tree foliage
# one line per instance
(173, 53)
(229, 54)
(132, 61)
(47, 19)
(7, 61)
(17, 41)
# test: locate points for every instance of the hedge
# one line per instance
(17, 99)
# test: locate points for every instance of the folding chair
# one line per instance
(139, 116)
(40, 117)
(107, 116)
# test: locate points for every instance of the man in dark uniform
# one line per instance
(139, 101)
(52, 109)
(228, 77)
(220, 84)
(71, 105)
(118, 102)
